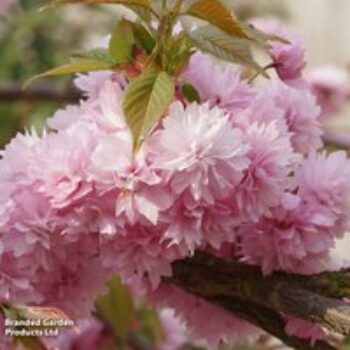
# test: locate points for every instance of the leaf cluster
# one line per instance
(152, 53)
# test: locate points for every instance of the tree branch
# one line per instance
(11, 92)
(261, 300)
(267, 320)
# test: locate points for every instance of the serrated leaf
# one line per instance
(218, 14)
(226, 47)
(261, 37)
(116, 309)
(146, 99)
(143, 3)
(71, 68)
(102, 55)
(122, 42)
(144, 38)
(190, 93)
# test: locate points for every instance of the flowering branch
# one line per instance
(243, 290)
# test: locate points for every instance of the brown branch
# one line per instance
(267, 320)
(227, 282)
(11, 92)
(337, 139)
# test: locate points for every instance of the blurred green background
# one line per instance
(32, 42)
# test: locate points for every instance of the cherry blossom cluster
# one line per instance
(240, 174)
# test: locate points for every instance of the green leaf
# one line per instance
(146, 99)
(261, 37)
(218, 14)
(54, 3)
(116, 309)
(346, 344)
(144, 38)
(190, 93)
(176, 53)
(151, 326)
(226, 47)
(102, 55)
(71, 68)
(122, 42)
(18, 313)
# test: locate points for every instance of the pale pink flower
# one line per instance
(91, 83)
(298, 234)
(221, 85)
(272, 159)
(297, 239)
(174, 330)
(5, 5)
(140, 251)
(210, 158)
(102, 109)
(301, 114)
(324, 183)
(203, 319)
(114, 167)
(86, 334)
(62, 171)
(331, 86)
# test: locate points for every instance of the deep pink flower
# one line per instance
(304, 329)
(288, 58)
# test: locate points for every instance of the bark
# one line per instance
(11, 92)
(263, 300)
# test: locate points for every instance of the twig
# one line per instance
(11, 92)
(339, 140)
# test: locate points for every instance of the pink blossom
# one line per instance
(211, 156)
(203, 319)
(288, 58)
(271, 161)
(86, 334)
(301, 114)
(174, 330)
(298, 234)
(304, 329)
(91, 82)
(324, 183)
(230, 175)
(5, 5)
(141, 251)
(331, 87)
(221, 85)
